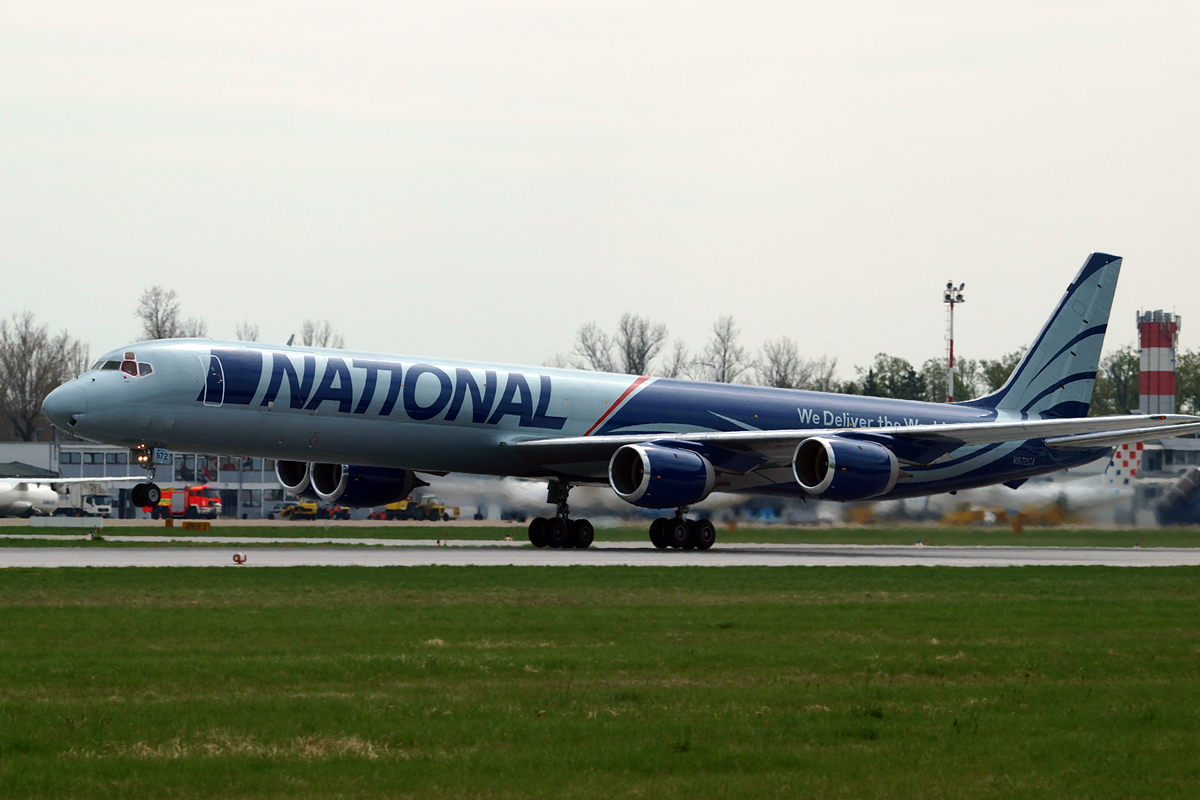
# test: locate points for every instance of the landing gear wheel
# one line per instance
(556, 532)
(704, 534)
(537, 532)
(690, 544)
(658, 533)
(582, 533)
(676, 531)
(153, 493)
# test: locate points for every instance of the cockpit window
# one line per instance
(111, 365)
(129, 368)
(144, 368)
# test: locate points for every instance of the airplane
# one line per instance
(360, 428)
(27, 497)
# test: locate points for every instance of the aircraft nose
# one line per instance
(64, 405)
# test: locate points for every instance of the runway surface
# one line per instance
(410, 553)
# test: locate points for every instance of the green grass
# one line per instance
(600, 682)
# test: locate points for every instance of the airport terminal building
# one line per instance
(248, 486)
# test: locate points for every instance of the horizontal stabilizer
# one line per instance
(1086, 441)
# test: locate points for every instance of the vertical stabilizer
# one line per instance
(1057, 374)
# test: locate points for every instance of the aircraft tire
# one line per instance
(690, 543)
(556, 533)
(676, 532)
(153, 493)
(582, 533)
(704, 534)
(537, 532)
(658, 533)
(136, 497)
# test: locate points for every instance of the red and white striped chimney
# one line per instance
(1159, 333)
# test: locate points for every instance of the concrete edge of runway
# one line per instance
(219, 551)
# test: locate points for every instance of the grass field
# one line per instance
(930, 535)
(600, 682)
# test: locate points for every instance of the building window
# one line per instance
(70, 458)
(116, 458)
(272, 495)
(93, 458)
(251, 498)
(269, 464)
(206, 468)
(185, 468)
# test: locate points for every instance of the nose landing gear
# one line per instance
(147, 494)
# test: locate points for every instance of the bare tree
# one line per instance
(193, 328)
(593, 348)
(679, 363)
(246, 331)
(32, 364)
(320, 333)
(638, 342)
(158, 309)
(782, 366)
(822, 377)
(723, 359)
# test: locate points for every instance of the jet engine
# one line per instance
(844, 469)
(362, 487)
(653, 476)
(296, 477)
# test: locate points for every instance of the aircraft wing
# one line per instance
(743, 451)
(58, 481)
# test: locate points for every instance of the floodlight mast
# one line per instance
(951, 296)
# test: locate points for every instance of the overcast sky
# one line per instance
(476, 180)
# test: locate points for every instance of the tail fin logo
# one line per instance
(1125, 464)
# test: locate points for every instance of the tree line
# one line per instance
(639, 346)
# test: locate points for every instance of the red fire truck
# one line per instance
(189, 503)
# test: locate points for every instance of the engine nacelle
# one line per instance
(296, 477)
(362, 487)
(653, 476)
(844, 469)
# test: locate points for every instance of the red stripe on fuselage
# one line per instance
(642, 379)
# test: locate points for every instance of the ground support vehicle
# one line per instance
(429, 507)
(75, 502)
(191, 502)
(308, 510)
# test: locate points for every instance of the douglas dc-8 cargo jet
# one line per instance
(359, 428)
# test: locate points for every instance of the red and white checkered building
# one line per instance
(1158, 332)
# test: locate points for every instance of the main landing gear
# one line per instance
(560, 530)
(686, 534)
